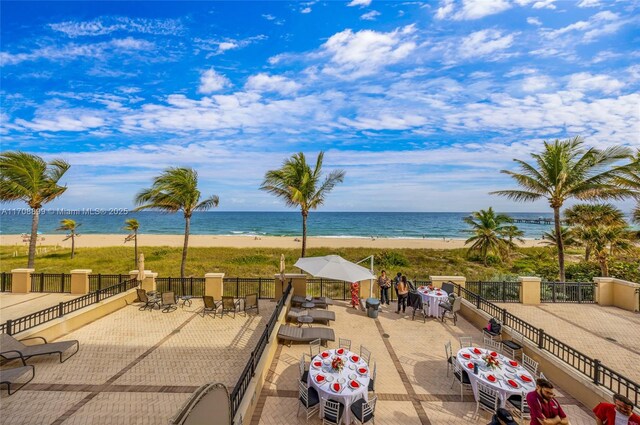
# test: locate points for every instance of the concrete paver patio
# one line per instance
(13, 306)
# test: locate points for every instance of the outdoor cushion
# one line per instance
(312, 397)
(356, 409)
(512, 345)
(331, 418)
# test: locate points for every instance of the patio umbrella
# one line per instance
(334, 267)
(141, 267)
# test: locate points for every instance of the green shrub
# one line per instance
(391, 259)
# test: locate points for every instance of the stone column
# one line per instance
(80, 281)
(529, 290)
(298, 282)
(437, 281)
(149, 282)
(213, 285)
(604, 290)
(21, 281)
(368, 289)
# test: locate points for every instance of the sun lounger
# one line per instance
(318, 301)
(294, 333)
(13, 349)
(317, 315)
(16, 375)
(209, 404)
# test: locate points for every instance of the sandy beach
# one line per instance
(103, 240)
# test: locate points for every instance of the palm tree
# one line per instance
(488, 229)
(608, 240)
(176, 189)
(133, 225)
(512, 232)
(585, 216)
(299, 185)
(70, 226)
(630, 178)
(568, 238)
(563, 170)
(29, 178)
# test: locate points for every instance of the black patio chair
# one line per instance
(210, 305)
(230, 304)
(169, 302)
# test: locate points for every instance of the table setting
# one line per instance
(433, 296)
(501, 373)
(340, 375)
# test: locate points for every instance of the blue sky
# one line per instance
(421, 103)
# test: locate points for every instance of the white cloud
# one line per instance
(354, 55)
(305, 10)
(534, 21)
(537, 83)
(589, 3)
(470, 9)
(220, 46)
(483, 43)
(211, 81)
(361, 3)
(584, 81)
(602, 23)
(108, 25)
(370, 16)
(62, 123)
(544, 4)
(267, 83)
(131, 43)
(269, 17)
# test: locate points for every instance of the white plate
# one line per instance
(353, 376)
(510, 369)
(354, 388)
(326, 362)
(333, 389)
(342, 380)
(352, 367)
(316, 367)
(329, 378)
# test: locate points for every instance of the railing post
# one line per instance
(504, 291)
(191, 285)
(237, 287)
(596, 371)
(97, 296)
(259, 287)
(41, 282)
(62, 276)
(579, 293)
(540, 338)
(478, 301)
(10, 327)
(60, 309)
(553, 291)
(504, 317)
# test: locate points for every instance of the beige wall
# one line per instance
(439, 280)
(80, 281)
(619, 293)
(530, 290)
(21, 280)
(213, 285)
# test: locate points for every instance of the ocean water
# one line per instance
(321, 224)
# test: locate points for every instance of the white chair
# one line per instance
(373, 378)
(314, 347)
(448, 352)
(365, 354)
(465, 341)
(492, 345)
(462, 378)
(363, 411)
(513, 348)
(488, 399)
(333, 411)
(518, 405)
(344, 343)
(304, 371)
(530, 364)
(308, 398)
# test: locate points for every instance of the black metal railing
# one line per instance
(249, 370)
(592, 368)
(193, 286)
(5, 281)
(567, 292)
(50, 282)
(15, 326)
(100, 281)
(504, 292)
(241, 286)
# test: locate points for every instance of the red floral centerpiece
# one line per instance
(492, 362)
(337, 364)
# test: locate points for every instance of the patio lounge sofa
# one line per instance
(294, 333)
(209, 404)
(14, 376)
(14, 349)
(317, 315)
(318, 301)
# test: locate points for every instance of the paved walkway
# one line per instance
(606, 333)
(412, 383)
(136, 367)
(13, 306)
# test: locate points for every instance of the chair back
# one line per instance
(344, 343)
(492, 345)
(142, 295)
(457, 303)
(228, 303)
(209, 404)
(448, 287)
(457, 369)
(369, 408)
(168, 298)
(303, 393)
(530, 364)
(373, 375)
(302, 366)
(415, 301)
(9, 343)
(488, 398)
(525, 412)
(314, 347)
(365, 354)
(448, 351)
(332, 408)
(209, 302)
(466, 341)
(251, 301)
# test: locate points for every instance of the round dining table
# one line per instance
(433, 297)
(508, 378)
(346, 386)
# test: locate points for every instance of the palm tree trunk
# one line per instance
(135, 248)
(587, 253)
(604, 267)
(304, 232)
(73, 245)
(559, 242)
(34, 238)
(187, 221)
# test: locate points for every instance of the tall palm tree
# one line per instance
(176, 189)
(585, 216)
(70, 226)
(563, 170)
(608, 240)
(29, 178)
(299, 185)
(133, 225)
(512, 233)
(488, 229)
(568, 238)
(630, 178)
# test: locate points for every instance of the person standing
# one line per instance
(384, 283)
(403, 294)
(618, 413)
(545, 409)
(397, 280)
(355, 294)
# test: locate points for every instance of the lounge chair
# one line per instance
(317, 315)
(169, 302)
(294, 333)
(230, 304)
(13, 349)
(251, 302)
(13, 376)
(209, 404)
(318, 301)
(144, 298)
(210, 305)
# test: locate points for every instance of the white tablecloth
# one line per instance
(502, 374)
(348, 395)
(433, 299)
